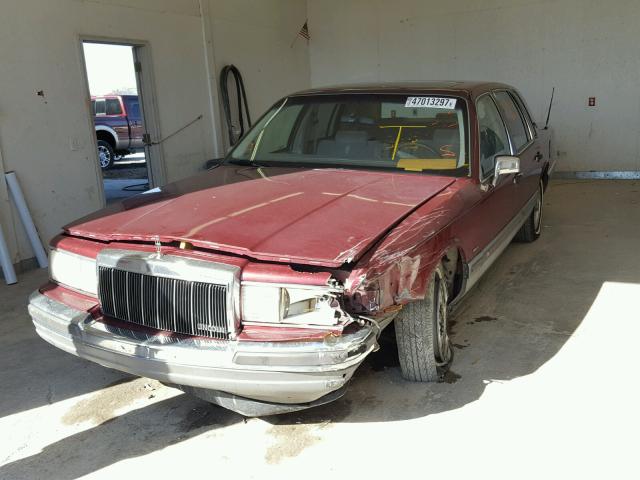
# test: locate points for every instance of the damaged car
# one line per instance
(262, 284)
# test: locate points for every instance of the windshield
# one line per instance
(413, 133)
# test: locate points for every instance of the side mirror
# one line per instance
(505, 164)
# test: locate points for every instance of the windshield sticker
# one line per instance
(431, 102)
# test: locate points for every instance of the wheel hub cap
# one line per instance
(443, 353)
(103, 156)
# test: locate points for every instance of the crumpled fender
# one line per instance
(396, 270)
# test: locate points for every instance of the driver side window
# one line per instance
(493, 135)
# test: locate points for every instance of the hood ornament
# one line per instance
(158, 245)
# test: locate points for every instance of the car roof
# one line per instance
(115, 95)
(462, 88)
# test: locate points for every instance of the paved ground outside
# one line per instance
(545, 383)
(126, 178)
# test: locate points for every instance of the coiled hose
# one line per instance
(226, 103)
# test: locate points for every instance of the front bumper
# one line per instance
(297, 374)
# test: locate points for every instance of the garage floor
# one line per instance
(545, 381)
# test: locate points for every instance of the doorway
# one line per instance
(122, 154)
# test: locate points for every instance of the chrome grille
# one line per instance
(182, 306)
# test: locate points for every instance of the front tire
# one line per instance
(424, 348)
(106, 155)
(532, 227)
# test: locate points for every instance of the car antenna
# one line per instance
(546, 125)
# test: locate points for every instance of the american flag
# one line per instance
(304, 31)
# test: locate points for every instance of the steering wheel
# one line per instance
(416, 149)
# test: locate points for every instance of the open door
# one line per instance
(114, 76)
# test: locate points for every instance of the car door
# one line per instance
(496, 206)
(525, 145)
(114, 117)
(135, 121)
(485, 230)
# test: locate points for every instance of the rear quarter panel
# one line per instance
(546, 139)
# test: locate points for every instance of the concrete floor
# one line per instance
(545, 382)
(127, 177)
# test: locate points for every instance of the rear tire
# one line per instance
(532, 227)
(424, 348)
(106, 155)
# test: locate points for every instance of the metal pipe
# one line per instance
(5, 261)
(27, 221)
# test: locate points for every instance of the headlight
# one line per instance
(74, 271)
(289, 305)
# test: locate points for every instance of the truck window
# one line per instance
(113, 106)
(133, 109)
(99, 107)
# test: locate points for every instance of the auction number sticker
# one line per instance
(431, 102)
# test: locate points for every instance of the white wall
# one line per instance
(582, 47)
(48, 140)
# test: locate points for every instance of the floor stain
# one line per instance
(296, 431)
(101, 407)
(482, 318)
(450, 377)
(290, 441)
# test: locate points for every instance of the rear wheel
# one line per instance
(424, 348)
(105, 155)
(532, 226)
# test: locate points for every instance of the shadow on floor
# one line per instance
(130, 435)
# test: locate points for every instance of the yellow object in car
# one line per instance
(420, 164)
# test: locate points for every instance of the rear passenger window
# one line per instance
(512, 117)
(525, 111)
(113, 106)
(493, 136)
(99, 107)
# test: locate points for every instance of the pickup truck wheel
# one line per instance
(105, 155)
(531, 228)
(424, 348)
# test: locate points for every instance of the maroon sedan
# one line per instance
(262, 284)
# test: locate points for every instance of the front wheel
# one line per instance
(424, 348)
(106, 155)
(532, 227)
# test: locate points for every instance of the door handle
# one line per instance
(538, 157)
(517, 177)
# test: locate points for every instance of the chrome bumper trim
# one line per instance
(279, 372)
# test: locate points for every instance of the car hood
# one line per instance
(310, 216)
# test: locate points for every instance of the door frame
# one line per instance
(141, 49)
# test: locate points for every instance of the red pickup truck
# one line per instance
(118, 125)
(262, 284)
